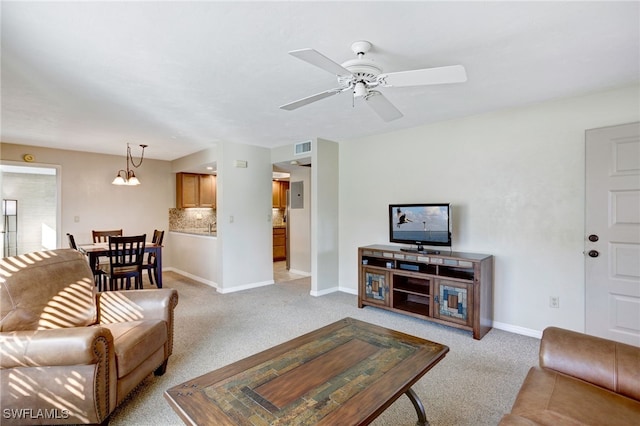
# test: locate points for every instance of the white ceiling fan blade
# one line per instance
(310, 99)
(381, 105)
(316, 58)
(439, 75)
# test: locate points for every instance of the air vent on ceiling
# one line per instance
(302, 148)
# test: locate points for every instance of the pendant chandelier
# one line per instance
(128, 177)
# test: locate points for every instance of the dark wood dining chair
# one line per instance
(72, 241)
(103, 262)
(103, 236)
(151, 264)
(126, 254)
(98, 273)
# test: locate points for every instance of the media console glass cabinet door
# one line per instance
(454, 289)
(453, 301)
(375, 286)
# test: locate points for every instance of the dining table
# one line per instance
(96, 250)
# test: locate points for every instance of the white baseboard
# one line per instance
(215, 285)
(324, 292)
(297, 272)
(353, 291)
(193, 277)
(517, 329)
(245, 287)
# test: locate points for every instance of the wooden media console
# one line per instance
(450, 288)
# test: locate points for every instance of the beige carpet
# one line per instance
(474, 385)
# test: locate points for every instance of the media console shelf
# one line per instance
(450, 288)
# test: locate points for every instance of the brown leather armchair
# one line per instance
(69, 354)
(581, 380)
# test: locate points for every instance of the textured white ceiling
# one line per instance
(182, 76)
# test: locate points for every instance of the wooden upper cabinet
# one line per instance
(187, 190)
(207, 191)
(195, 190)
(279, 192)
(275, 187)
(284, 186)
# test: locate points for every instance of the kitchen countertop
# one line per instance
(203, 232)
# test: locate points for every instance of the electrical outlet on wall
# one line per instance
(554, 301)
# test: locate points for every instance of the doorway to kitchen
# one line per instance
(282, 274)
(291, 220)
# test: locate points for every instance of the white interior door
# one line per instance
(612, 247)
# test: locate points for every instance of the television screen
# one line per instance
(420, 224)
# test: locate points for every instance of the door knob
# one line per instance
(594, 253)
(593, 238)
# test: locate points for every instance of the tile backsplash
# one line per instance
(188, 219)
(278, 217)
(194, 218)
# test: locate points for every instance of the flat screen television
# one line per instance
(420, 225)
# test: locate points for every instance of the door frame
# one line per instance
(58, 170)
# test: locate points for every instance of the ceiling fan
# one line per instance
(362, 76)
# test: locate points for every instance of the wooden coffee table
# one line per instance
(345, 373)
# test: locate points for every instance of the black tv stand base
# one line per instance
(420, 251)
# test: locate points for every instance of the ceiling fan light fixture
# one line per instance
(360, 90)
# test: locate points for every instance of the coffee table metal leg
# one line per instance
(417, 404)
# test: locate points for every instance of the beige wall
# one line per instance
(87, 193)
(515, 179)
(245, 232)
(325, 181)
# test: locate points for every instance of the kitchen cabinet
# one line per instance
(207, 191)
(195, 190)
(279, 244)
(279, 193)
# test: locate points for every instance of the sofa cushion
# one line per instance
(135, 341)
(605, 363)
(46, 290)
(551, 398)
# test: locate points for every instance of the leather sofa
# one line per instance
(69, 354)
(581, 380)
